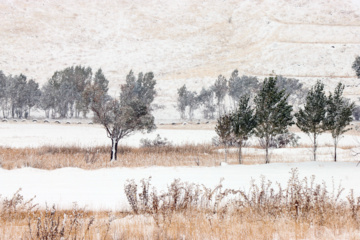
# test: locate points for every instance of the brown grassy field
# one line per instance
(187, 211)
(192, 225)
(52, 157)
(95, 158)
(302, 210)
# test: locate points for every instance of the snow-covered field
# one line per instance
(21, 135)
(104, 188)
(181, 42)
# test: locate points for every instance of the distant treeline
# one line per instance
(64, 95)
(211, 100)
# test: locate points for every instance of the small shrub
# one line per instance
(300, 199)
(22, 219)
(14, 207)
(287, 139)
(53, 225)
(281, 141)
(157, 142)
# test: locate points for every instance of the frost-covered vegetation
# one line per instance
(255, 112)
(300, 208)
(271, 116)
(211, 100)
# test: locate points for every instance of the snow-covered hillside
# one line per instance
(183, 41)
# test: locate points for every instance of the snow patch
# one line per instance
(104, 188)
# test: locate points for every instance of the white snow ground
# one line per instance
(21, 135)
(103, 189)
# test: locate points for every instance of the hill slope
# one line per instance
(183, 41)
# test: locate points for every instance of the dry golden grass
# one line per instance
(51, 157)
(198, 225)
(95, 158)
(189, 225)
(302, 210)
(46, 224)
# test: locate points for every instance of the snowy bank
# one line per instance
(104, 188)
(22, 135)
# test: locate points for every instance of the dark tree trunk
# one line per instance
(335, 145)
(114, 148)
(267, 150)
(225, 152)
(71, 108)
(218, 105)
(240, 146)
(315, 146)
(13, 111)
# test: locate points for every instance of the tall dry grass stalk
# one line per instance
(51, 157)
(98, 157)
(300, 210)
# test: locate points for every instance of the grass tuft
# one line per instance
(300, 210)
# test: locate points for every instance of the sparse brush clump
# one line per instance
(302, 209)
(51, 225)
(301, 203)
(15, 208)
(24, 219)
(157, 142)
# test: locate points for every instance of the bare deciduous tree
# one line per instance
(220, 89)
(128, 114)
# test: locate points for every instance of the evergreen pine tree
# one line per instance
(311, 119)
(339, 115)
(223, 129)
(273, 113)
(356, 66)
(243, 122)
